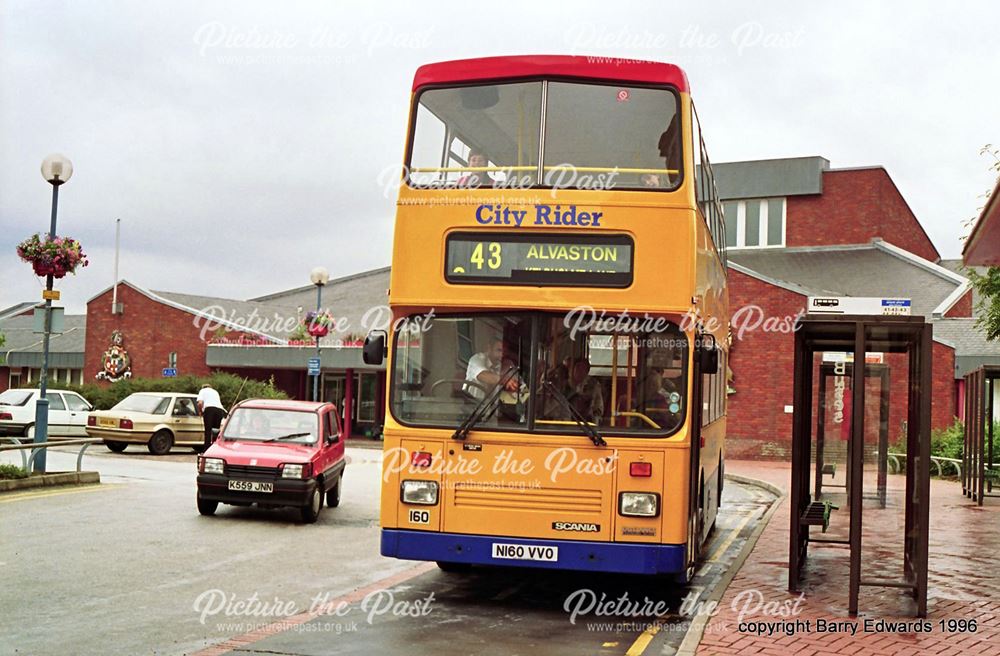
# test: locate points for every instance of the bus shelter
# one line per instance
(829, 449)
(858, 335)
(979, 469)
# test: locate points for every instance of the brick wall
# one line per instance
(855, 207)
(962, 308)
(762, 364)
(152, 331)
(757, 424)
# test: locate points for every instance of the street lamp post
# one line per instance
(57, 170)
(319, 277)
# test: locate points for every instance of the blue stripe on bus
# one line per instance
(626, 558)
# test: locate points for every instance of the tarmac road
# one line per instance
(130, 567)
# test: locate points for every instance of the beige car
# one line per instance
(160, 420)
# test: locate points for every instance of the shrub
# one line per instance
(948, 442)
(945, 442)
(226, 384)
(12, 471)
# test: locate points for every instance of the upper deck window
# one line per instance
(594, 136)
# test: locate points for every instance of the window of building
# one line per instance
(755, 222)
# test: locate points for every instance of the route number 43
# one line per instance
(420, 516)
(494, 256)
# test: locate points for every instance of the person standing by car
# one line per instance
(212, 412)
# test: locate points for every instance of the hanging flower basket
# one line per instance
(318, 324)
(42, 269)
(55, 257)
(318, 331)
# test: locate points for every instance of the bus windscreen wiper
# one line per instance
(584, 425)
(481, 408)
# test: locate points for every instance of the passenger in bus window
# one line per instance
(650, 180)
(475, 179)
(585, 393)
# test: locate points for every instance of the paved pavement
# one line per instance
(964, 552)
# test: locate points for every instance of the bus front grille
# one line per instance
(472, 495)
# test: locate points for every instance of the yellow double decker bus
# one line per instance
(557, 359)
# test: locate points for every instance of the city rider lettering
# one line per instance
(545, 215)
(486, 214)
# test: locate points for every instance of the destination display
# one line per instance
(539, 259)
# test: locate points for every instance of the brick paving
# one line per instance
(963, 581)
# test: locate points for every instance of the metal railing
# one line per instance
(937, 460)
(36, 448)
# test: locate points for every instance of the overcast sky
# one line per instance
(242, 143)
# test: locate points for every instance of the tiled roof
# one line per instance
(274, 319)
(15, 310)
(968, 339)
(865, 270)
(349, 298)
(21, 336)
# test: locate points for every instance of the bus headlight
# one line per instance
(639, 504)
(424, 493)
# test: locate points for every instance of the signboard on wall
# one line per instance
(866, 305)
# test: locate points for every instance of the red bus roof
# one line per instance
(524, 66)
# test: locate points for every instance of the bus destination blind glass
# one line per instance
(542, 259)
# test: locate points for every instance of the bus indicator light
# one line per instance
(640, 469)
(420, 459)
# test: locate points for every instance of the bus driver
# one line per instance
(485, 369)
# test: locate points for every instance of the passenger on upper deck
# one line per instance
(650, 180)
(476, 179)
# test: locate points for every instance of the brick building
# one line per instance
(196, 335)
(798, 228)
(21, 353)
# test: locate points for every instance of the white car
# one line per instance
(67, 413)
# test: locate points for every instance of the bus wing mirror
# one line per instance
(708, 355)
(373, 352)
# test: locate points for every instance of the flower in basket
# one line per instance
(56, 257)
(318, 324)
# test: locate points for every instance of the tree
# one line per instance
(3, 340)
(987, 284)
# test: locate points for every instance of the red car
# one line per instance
(275, 453)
